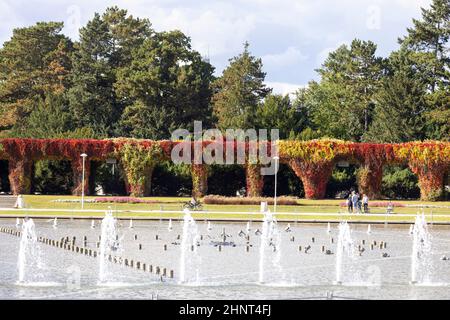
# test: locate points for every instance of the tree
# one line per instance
(166, 86)
(399, 111)
(430, 36)
(33, 63)
(341, 104)
(277, 112)
(428, 40)
(50, 119)
(239, 91)
(105, 45)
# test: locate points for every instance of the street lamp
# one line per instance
(83, 155)
(276, 158)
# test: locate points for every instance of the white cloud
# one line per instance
(412, 4)
(305, 30)
(283, 87)
(216, 28)
(9, 20)
(290, 56)
(323, 54)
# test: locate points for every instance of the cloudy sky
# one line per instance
(292, 36)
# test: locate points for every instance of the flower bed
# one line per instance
(123, 200)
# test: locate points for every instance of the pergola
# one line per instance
(312, 161)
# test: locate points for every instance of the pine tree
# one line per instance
(50, 119)
(430, 36)
(239, 91)
(105, 45)
(341, 104)
(428, 40)
(401, 107)
(33, 63)
(277, 112)
(166, 86)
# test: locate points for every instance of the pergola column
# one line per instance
(199, 180)
(254, 180)
(431, 181)
(314, 176)
(138, 186)
(369, 180)
(20, 172)
(77, 169)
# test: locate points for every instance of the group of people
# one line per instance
(356, 203)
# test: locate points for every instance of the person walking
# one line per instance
(355, 199)
(349, 203)
(365, 201)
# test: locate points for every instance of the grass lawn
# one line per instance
(307, 210)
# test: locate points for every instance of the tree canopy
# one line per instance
(123, 78)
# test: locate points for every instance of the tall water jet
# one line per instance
(248, 227)
(189, 257)
(411, 229)
(328, 228)
(369, 229)
(209, 228)
(344, 245)
(170, 225)
(421, 258)
(17, 222)
(55, 223)
(270, 237)
(93, 224)
(29, 254)
(109, 243)
(131, 224)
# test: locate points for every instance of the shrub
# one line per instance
(400, 184)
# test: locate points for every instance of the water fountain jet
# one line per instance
(344, 245)
(189, 259)
(270, 236)
(29, 254)
(108, 244)
(421, 263)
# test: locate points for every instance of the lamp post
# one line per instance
(83, 155)
(276, 158)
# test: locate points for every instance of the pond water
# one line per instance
(293, 261)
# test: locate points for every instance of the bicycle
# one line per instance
(197, 206)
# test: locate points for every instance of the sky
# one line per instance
(293, 37)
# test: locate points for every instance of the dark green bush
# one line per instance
(400, 183)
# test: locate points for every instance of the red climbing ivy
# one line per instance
(312, 161)
(429, 160)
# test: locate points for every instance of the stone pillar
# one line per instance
(369, 180)
(77, 169)
(254, 179)
(20, 174)
(199, 180)
(314, 176)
